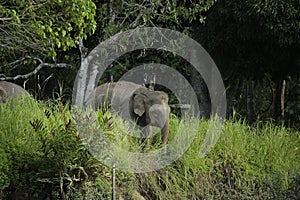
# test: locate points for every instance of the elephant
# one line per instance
(8, 89)
(132, 101)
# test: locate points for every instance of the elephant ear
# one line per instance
(139, 104)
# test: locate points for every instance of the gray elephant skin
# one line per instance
(132, 101)
(8, 89)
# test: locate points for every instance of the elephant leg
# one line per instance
(165, 132)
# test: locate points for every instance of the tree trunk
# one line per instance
(250, 102)
(201, 90)
(85, 82)
(279, 100)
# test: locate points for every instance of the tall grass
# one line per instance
(44, 156)
(260, 162)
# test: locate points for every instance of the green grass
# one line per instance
(43, 155)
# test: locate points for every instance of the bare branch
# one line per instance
(6, 18)
(35, 71)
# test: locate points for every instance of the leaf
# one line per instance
(64, 33)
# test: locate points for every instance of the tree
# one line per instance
(39, 28)
(35, 34)
(114, 16)
(122, 15)
(252, 38)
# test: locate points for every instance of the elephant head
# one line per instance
(130, 100)
(151, 108)
(8, 89)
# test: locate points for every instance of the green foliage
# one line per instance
(117, 16)
(41, 153)
(43, 27)
(261, 163)
(4, 170)
(279, 18)
(175, 15)
(42, 156)
(253, 40)
(253, 37)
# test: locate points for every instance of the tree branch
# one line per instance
(35, 71)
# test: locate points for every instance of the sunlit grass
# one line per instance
(41, 145)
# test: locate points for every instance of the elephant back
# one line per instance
(116, 94)
(9, 89)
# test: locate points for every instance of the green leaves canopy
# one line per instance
(122, 15)
(39, 27)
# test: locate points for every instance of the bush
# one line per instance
(41, 154)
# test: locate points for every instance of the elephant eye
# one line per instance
(163, 97)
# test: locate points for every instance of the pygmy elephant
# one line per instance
(133, 101)
(8, 89)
